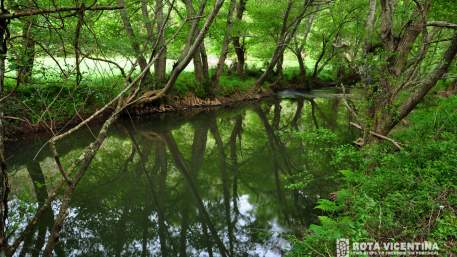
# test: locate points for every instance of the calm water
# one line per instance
(199, 183)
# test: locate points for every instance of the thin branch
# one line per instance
(31, 12)
(395, 143)
(442, 24)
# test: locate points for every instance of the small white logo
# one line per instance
(361, 248)
(342, 247)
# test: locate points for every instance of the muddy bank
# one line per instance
(21, 129)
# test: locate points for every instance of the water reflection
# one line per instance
(193, 184)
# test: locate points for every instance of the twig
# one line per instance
(31, 12)
(395, 143)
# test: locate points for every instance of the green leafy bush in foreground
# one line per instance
(387, 195)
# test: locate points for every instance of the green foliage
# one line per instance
(60, 101)
(228, 85)
(396, 195)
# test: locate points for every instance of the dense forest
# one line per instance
(90, 65)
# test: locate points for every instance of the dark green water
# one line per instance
(199, 183)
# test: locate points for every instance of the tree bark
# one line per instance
(205, 65)
(200, 58)
(279, 67)
(369, 27)
(389, 121)
(225, 45)
(387, 24)
(406, 43)
(160, 66)
(133, 40)
(147, 20)
(181, 65)
(27, 58)
(287, 33)
(76, 44)
(237, 43)
(4, 185)
(301, 65)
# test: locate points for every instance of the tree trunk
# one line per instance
(225, 45)
(76, 44)
(133, 41)
(279, 67)
(240, 51)
(406, 43)
(199, 58)
(187, 56)
(387, 24)
(301, 64)
(205, 65)
(240, 56)
(287, 33)
(4, 185)
(321, 56)
(388, 121)
(198, 66)
(25, 65)
(147, 20)
(280, 46)
(160, 66)
(370, 26)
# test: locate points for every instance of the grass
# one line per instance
(52, 97)
(388, 195)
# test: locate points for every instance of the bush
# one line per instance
(387, 195)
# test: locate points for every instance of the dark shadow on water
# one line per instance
(212, 183)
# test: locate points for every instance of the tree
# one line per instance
(290, 25)
(403, 82)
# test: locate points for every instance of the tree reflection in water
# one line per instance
(196, 184)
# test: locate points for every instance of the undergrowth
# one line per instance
(391, 196)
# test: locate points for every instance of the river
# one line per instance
(196, 183)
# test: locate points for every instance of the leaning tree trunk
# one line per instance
(384, 96)
(200, 58)
(389, 121)
(133, 40)
(287, 33)
(188, 54)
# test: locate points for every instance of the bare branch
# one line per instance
(442, 24)
(31, 12)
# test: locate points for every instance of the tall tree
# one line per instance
(225, 45)
(238, 40)
(394, 98)
(160, 66)
(290, 24)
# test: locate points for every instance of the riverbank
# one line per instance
(44, 109)
(388, 195)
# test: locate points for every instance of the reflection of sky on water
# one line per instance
(114, 212)
(274, 246)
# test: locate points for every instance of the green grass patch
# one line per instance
(408, 195)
